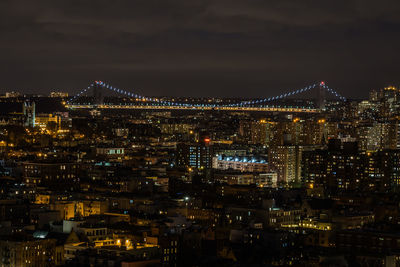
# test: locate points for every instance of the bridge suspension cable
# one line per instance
(330, 90)
(270, 99)
(175, 103)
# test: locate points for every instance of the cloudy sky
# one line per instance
(249, 48)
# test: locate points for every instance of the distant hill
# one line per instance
(43, 105)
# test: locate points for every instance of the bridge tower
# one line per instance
(321, 96)
(98, 94)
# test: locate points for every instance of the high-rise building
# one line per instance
(375, 136)
(387, 101)
(28, 110)
(255, 132)
(314, 132)
(343, 167)
(285, 160)
(195, 155)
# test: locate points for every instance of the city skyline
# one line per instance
(71, 93)
(199, 133)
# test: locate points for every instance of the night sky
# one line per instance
(241, 48)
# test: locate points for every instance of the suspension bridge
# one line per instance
(136, 101)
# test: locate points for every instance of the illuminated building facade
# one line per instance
(44, 120)
(59, 94)
(241, 163)
(255, 132)
(286, 162)
(48, 173)
(196, 155)
(345, 168)
(35, 252)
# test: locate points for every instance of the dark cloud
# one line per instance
(225, 48)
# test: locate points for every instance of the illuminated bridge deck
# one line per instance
(198, 108)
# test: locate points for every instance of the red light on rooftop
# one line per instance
(322, 83)
(207, 140)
